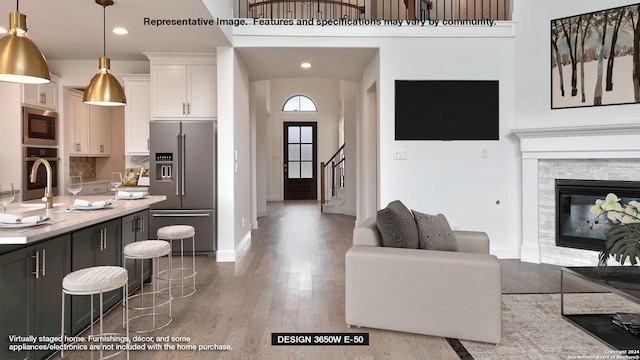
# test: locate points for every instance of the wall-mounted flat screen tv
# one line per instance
(447, 110)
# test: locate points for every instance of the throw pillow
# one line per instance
(397, 226)
(435, 232)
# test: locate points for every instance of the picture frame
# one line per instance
(584, 70)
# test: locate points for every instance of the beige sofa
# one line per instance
(440, 293)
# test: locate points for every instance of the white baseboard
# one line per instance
(226, 256)
(506, 253)
(275, 198)
(231, 255)
(261, 213)
(255, 225)
(244, 242)
(530, 253)
(350, 212)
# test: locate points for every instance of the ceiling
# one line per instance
(72, 30)
(331, 63)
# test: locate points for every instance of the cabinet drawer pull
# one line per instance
(105, 239)
(188, 108)
(101, 245)
(37, 257)
(44, 259)
(183, 111)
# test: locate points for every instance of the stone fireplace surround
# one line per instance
(602, 152)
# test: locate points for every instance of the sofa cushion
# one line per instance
(397, 226)
(434, 232)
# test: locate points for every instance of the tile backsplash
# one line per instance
(83, 166)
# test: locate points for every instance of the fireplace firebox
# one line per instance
(574, 199)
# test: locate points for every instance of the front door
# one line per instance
(300, 168)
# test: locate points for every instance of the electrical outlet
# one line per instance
(485, 153)
(400, 155)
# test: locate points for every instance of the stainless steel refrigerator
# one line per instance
(183, 168)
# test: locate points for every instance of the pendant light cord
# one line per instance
(104, 31)
(18, 5)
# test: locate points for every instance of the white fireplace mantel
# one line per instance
(620, 141)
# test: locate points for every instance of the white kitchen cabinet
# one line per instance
(99, 130)
(77, 124)
(137, 114)
(43, 95)
(183, 90)
(89, 127)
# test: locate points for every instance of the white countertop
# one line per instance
(70, 221)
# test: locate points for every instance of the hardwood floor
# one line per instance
(290, 278)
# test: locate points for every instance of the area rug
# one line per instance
(532, 328)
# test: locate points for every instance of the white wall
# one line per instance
(234, 187)
(242, 139)
(11, 132)
(367, 143)
(452, 178)
(261, 114)
(350, 106)
(533, 70)
(325, 93)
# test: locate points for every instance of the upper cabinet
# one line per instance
(137, 114)
(43, 95)
(183, 86)
(89, 127)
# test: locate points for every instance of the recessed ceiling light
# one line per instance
(120, 31)
(305, 65)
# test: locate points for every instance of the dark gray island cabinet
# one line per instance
(30, 295)
(31, 281)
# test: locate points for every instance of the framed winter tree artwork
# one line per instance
(595, 58)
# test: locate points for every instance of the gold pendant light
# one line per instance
(104, 89)
(20, 59)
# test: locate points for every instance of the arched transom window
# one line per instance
(299, 103)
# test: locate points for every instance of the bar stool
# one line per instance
(97, 280)
(143, 250)
(181, 232)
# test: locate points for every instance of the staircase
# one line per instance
(336, 204)
(332, 198)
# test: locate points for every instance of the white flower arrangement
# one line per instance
(615, 213)
(623, 239)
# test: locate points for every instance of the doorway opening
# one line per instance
(300, 158)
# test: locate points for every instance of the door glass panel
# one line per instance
(294, 134)
(293, 170)
(306, 170)
(306, 134)
(307, 152)
(294, 152)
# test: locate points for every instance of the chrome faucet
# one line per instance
(48, 192)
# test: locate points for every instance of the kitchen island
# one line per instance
(67, 221)
(34, 262)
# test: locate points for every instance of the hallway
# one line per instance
(289, 278)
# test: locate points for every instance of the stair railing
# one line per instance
(330, 178)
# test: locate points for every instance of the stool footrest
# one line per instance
(179, 292)
(150, 324)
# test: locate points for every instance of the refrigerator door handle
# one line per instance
(183, 160)
(182, 215)
(176, 179)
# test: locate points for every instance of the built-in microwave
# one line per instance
(39, 126)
